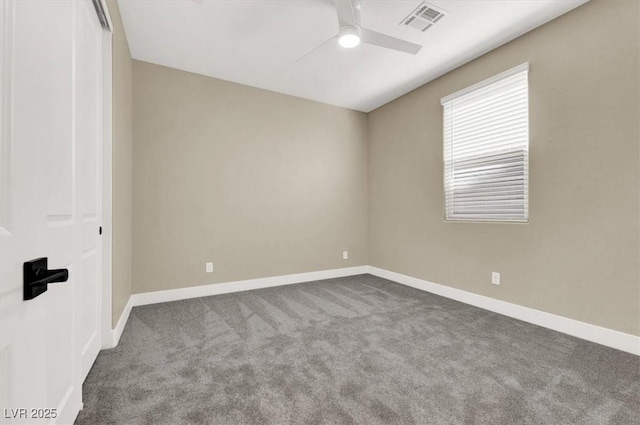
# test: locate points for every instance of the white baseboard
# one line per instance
(124, 317)
(241, 285)
(586, 331)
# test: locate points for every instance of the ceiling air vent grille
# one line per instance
(423, 17)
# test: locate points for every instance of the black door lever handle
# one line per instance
(37, 276)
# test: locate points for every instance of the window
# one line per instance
(486, 149)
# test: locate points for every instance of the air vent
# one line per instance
(423, 17)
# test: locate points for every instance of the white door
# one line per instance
(50, 182)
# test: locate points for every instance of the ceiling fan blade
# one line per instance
(383, 40)
(316, 48)
(348, 13)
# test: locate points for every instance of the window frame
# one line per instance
(447, 101)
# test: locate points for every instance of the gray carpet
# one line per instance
(356, 350)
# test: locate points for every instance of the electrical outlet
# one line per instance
(345, 255)
(495, 278)
(209, 267)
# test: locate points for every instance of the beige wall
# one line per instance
(122, 165)
(579, 255)
(261, 184)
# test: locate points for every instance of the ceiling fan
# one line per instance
(351, 33)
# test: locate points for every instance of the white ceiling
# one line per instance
(257, 42)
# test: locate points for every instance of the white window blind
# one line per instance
(486, 149)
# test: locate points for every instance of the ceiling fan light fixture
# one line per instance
(349, 38)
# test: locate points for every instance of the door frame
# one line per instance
(107, 340)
